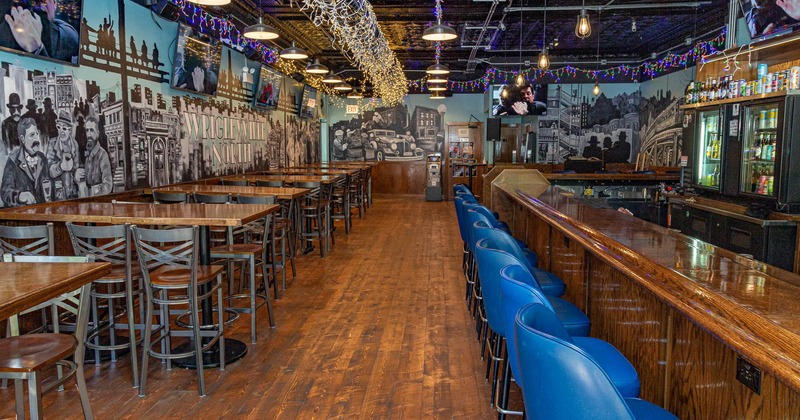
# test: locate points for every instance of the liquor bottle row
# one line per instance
(764, 147)
(713, 89)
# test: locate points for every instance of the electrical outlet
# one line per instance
(748, 374)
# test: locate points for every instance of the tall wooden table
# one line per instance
(25, 285)
(203, 215)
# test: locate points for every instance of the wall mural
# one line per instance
(113, 123)
(405, 132)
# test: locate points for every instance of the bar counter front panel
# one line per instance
(680, 310)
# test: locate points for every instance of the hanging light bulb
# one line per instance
(504, 92)
(544, 59)
(583, 29)
(316, 68)
(210, 2)
(260, 31)
(596, 88)
(520, 79)
(294, 53)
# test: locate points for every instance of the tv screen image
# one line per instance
(528, 99)
(196, 63)
(60, 35)
(308, 106)
(766, 18)
(269, 88)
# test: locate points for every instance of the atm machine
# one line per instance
(433, 179)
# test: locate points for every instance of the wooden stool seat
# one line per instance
(32, 352)
(237, 249)
(118, 272)
(166, 276)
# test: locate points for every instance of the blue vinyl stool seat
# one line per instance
(562, 381)
(518, 291)
(549, 283)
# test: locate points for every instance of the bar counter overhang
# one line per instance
(681, 310)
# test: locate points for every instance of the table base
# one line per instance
(234, 350)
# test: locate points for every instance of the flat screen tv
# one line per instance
(768, 18)
(60, 35)
(269, 88)
(308, 105)
(516, 100)
(196, 63)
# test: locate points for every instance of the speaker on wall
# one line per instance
(493, 129)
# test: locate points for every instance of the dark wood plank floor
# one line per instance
(378, 329)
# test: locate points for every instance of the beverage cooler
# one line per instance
(748, 150)
(709, 141)
(769, 153)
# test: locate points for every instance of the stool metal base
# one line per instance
(234, 350)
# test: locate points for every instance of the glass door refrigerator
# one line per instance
(770, 158)
(709, 149)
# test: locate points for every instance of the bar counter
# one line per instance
(681, 310)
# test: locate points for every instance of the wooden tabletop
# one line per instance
(24, 285)
(325, 179)
(146, 213)
(748, 305)
(282, 193)
(313, 171)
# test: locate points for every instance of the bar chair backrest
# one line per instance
(27, 240)
(236, 182)
(170, 197)
(170, 247)
(277, 183)
(113, 245)
(201, 198)
(256, 199)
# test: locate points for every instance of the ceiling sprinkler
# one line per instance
(633, 25)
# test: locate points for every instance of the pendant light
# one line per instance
(439, 32)
(294, 53)
(343, 87)
(332, 79)
(544, 59)
(317, 68)
(260, 31)
(583, 29)
(437, 79)
(355, 94)
(437, 68)
(436, 95)
(210, 2)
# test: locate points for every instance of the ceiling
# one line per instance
(489, 33)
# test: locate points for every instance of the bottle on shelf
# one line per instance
(689, 93)
(772, 152)
(715, 176)
(757, 146)
(715, 149)
(766, 150)
(754, 179)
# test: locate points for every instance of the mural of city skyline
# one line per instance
(113, 123)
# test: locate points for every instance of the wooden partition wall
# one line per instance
(682, 311)
(399, 177)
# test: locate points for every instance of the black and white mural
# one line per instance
(113, 122)
(400, 133)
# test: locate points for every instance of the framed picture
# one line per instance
(197, 59)
(269, 88)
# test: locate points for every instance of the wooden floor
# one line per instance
(378, 329)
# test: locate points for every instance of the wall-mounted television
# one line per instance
(196, 63)
(528, 99)
(269, 88)
(60, 36)
(308, 105)
(767, 18)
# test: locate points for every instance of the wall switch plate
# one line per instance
(748, 374)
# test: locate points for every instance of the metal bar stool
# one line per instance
(172, 277)
(25, 357)
(236, 182)
(251, 248)
(280, 234)
(314, 211)
(340, 203)
(111, 244)
(170, 197)
(276, 183)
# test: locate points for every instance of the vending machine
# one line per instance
(433, 178)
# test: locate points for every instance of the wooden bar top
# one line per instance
(749, 306)
(282, 193)
(325, 179)
(146, 213)
(313, 171)
(24, 285)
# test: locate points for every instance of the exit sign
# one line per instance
(351, 109)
